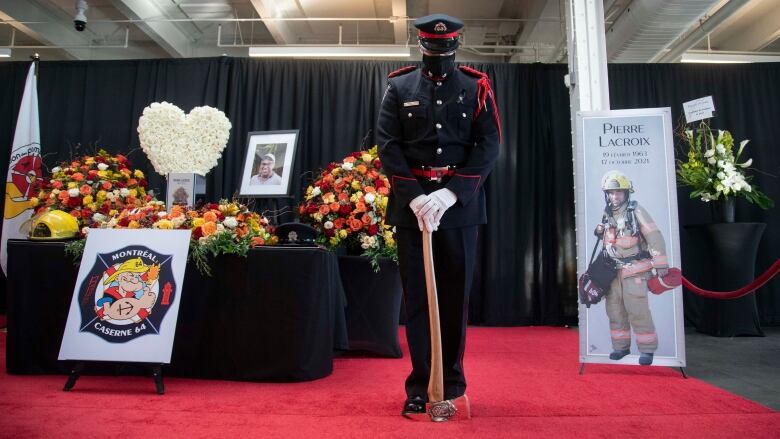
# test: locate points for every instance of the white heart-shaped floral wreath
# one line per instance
(178, 142)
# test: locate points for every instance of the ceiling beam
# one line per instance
(56, 28)
(279, 30)
(172, 39)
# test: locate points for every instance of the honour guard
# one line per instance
(438, 134)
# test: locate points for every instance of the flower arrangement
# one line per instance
(714, 171)
(92, 188)
(346, 204)
(175, 142)
(226, 227)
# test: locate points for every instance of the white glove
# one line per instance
(445, 198)
(424, 207)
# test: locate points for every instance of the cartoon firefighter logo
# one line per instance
(126, 294)
(24, 171)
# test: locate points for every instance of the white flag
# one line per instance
(23, 168)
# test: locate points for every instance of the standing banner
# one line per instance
(628, 248)
(23, 168)
(126, 300)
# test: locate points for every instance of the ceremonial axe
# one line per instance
(439, 409)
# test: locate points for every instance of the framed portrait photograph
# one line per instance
(268, 163)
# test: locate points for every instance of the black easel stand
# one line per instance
(78, 368)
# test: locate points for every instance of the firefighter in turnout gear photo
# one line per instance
(438, 133)
(632, 239)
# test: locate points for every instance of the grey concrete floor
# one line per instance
(746, 366)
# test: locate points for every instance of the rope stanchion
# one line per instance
(736, 294)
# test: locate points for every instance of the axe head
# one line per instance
(457, 409)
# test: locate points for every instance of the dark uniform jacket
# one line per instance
(425, 122)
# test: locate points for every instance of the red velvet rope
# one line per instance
(759, 282)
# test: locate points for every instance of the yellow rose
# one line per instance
(101, 195)
(112, 212)
(163, 224)
(72, 185)
(334, 240)
(93, 206)
(317, 216)
(86, 200)
(138, 174)
(102, 174)
(366, 157)
(133, 193)
(89, 161)
(343, 233)
(197, 222)
(134, 225)
(355, 185)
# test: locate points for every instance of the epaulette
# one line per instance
(401, 71)
(483, 93)
(472, 72)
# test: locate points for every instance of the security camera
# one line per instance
(80, 20)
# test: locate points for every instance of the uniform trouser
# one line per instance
(453, 255)
(627, 308)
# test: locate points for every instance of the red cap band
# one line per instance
(429, 35)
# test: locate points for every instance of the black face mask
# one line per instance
(438, 66)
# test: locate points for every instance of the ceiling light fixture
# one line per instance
(329, 51)
(5, 52)
(723, 57)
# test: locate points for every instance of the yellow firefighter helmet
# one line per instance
(54, 225)
(616, 180)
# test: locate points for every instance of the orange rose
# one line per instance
(257, 240)
(334, 207)
(339, 223)
(208, 228)
(63, 196)
(192, 213)
(366, 219)
(106, 185)
(384, 190)
(339, 186)
(369, 189)
(355, 224)
(324, 209)
(78, 176)
(372, 174)
(85, 189)
(343, 196)
(362, 169)
(360, 206)
(176, 211)
(210, 216)
(350, 159)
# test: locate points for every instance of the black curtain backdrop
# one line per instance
(527, 252)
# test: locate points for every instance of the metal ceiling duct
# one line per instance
(646, 27)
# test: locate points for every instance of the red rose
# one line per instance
(121, 159)
(105, 208)
(345, 209)
(143, 183)
(312, 208)
(120, 184)
(377, 164)
(197, 233)
(124, 222)
(301, 209)
(329, 233)
(74, 202)
(378, 183)
(373, 229)
(357, 154)
(331, 166)
(92, 174)
(213, 206)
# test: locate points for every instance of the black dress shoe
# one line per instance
(414, 405)
(617, 355)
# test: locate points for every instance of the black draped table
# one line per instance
(722, 257)
(276, 315)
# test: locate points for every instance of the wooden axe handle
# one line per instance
(436, 381)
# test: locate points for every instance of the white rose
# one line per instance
(124, 192)
(98, 217)
(709, 153)
(346, 166)
(328, 225)
(711, 161)
(316, 191)
(230, 222)
(370, 197)
(102, 166)
(73, 192)
(56, 169)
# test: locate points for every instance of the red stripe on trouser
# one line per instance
(646, 338)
